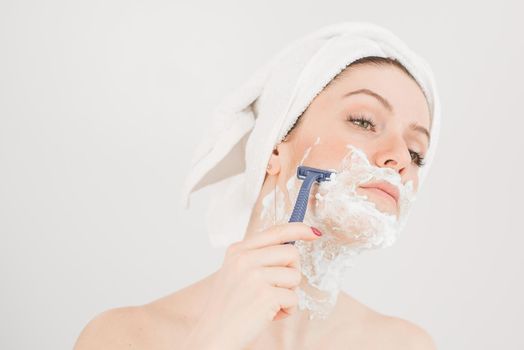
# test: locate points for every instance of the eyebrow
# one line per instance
(389, 107)
(416, 127)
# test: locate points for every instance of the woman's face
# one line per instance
(378, 109)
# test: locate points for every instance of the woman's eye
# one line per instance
(362, 122)
(367, 124)
(417, 158)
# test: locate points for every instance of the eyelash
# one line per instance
(419, 160)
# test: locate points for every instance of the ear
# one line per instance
(273, 166)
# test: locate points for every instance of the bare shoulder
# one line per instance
(112, 329)
(134, 327)
(160, 324)
(398, 333)
(380, 331)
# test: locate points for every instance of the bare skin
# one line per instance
(168, 322)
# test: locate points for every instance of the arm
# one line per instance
(414, 336)
(421, 340)
(110, 329)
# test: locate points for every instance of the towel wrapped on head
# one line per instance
(253, 119)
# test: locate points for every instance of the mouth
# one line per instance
(383, 188)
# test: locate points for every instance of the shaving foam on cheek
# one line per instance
(350, 223)
(353, 218)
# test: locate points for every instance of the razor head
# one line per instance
(321, 175)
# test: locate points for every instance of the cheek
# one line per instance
(325, 155)
(413, 176)
(415, 183)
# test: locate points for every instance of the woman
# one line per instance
(386, 114)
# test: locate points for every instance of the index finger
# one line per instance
(280, 234)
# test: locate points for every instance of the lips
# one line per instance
(385, 187)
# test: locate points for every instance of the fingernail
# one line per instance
(316, 231)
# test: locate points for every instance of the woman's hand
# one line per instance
(254, 286)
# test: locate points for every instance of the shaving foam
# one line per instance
(350, 223)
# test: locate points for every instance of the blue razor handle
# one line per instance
(309, 175)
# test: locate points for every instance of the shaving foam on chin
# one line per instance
(350, 223)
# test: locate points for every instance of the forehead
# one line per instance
(403, 93)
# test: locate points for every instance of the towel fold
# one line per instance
(250, 121)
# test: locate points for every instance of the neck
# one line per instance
(297, 331)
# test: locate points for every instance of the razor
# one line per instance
(310, 176)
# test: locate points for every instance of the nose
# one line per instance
(394, 154)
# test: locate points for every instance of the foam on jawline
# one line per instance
(350, 223)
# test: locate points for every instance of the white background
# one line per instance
(102, 103)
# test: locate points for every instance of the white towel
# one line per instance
(250, 121)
